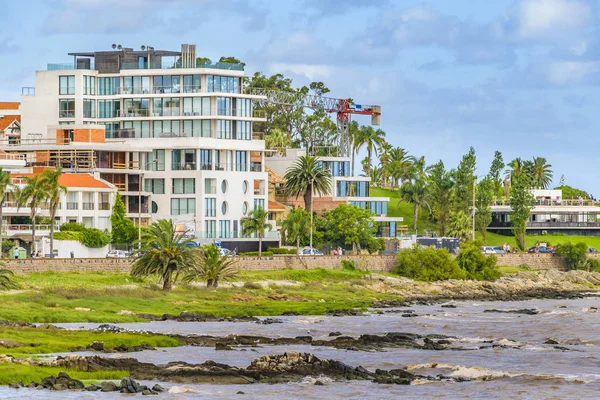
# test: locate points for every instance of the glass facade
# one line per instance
(109, 86)
(166, 84)
(224, 229)
(136, 107)
(223, 84)
(89, 85)
(376, 207)
(210, 207)
(166, 107)
(191, 83)
(195, 106)
(136, 85)
(210, 228)
(243, 107)
(141, 128)
(388, 229)
(241, 161)
(109, 128)
(155, 186)
(66, 108)
(223, 129)
(337, 168)
(89, 108)
(183, 160)
(197, 128)
(155, 161)
(259, 203)
(183, 206)
(165, 128)
(109, 108)
(352, 189)
(184, 186)
(243, 130)
(66, 84)
(224, 106)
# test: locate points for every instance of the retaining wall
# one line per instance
(383, 263)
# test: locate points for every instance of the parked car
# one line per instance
(498, 250)
(592, 250)
(540, 249)
(224, 252)
(488, 250)
(307, 251)
(117, 254)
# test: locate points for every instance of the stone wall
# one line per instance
(383, 263)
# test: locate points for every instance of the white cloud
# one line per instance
(571, 72)
(541, 18)
(312, 72)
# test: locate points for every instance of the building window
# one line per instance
(210, 186)
(196, 106)
(167, 84)
(243, 107)
(136, 84)
(141, 129)
(245, 187)
(89, 108)
(183, 160)
(67, 84)
(223, 129)
(155, 161)
(210, 207)
(109, 86)
(136, 108)
(245, 207)
(184, 186)
(241, 161)
(244, 130)
(224, 229)
(89, 85)
(352, 189)
(210, 229)
(165, 129)
(224, 186)
(109, 108)
(66, 108)
(155, 186)
(183, 206)
(224, 106)
(166, 107)
(154, 207)
(191, 83)
(224, 208)
(259, 203)
(223, 84)
(196, 128)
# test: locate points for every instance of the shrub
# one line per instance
(69, 235)
(255, 253)
(279, 250)
(373, 245)
(427, 264)
(7, 245)
(94, 238)
(475, 264)
(72, 227)
(575, 255)
(252, 285)
(348, 265)
(593, 265)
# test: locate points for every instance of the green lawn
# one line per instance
(403, 209)
(493, 239)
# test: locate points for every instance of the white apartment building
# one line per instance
(176, 135)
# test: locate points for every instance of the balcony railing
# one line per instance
(548, 224)
(259, 192)
(135, 113)
(188, 166)
(72, 206)
(134, 208)
(27, 227)
(87, 206)
(171, 65)
(256, 168)
(554, 203)
(67, 114)
(233, 235)
(104, 206)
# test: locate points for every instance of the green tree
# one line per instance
(376, 176)
(34, 195)
(231, 60)
(353, 133)
(349, 225)
(484, 194)
(164, 252)
(575, 255)
(277, 139)
(460, 226)
(123, 230)
(541, 174)
(372, 139)
(306, 177)
(318, 130)
(417, 194)
(477, 265)
(464, 178)
(427, 264)
(296, 226)
(5, 185)
(211, 267)
(400, 166)
(255, 223)
(521, 204)
(54, 188)
(569, 192)
(495, 173)
(441, 186)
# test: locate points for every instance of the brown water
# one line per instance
(520, 366)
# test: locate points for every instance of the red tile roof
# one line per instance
(7, 120)
(275, 206)
(75, 181)
(9, 105)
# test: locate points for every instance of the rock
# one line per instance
(108, 387)
(97, 346)
(551, 341)
(269, 321)
(10, 344)
(409, 315)
(158, 388)
(290, 313)
(109, 328)
(47, 326)
(222, 346)
(448, 306)
(182, 389)
(93, 388)
(336, 333)
(59, 387)
(562, 348)
(307, 339)
(524, 311)
(319, 383)
(148, 392)
(15, 385)
(343, 313)
(240, 392)
(129, 385)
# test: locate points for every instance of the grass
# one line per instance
(403, 209)
(27, 374)
(493, 239)
(507, 269)
(45, 341)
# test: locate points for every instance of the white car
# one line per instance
(117, 254)
(224, 252)
(311, 252)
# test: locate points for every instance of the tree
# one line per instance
(296, 226)
(33, 195)
(521, 203)
(475, 264)
(417, 194)
(349, 225)
(54, 189)
(460, 226)
(212, 267)
(400, 166)
(123, 230)
(305, 177)
(255, 223)
(164, 252)
(5, 184)
(484, 194)
(496, 172)
(440, 186)
(277, 139)
(575, 255)
(464, 178)
(376, 176)
(370, 138)
(541, 174)
(318, 129)
(427, 264)
(231, 60)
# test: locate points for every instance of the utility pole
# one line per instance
(474, 185)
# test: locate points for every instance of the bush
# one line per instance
(94, 238)
(575, 255)
(475, 264)
(280, 250)
(7, 245)
(373, 245)
(255, 254)
(69, 235)
(72, 227)
(348, 265)
(427, 264)
(593, 265)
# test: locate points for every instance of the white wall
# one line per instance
(64, 248)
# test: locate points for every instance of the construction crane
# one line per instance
(343, 108)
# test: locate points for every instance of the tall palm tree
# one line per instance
(255, 223)
(305, 177)
(33, 195)
(420, 169)
(277, 139)
(417, 193)
(541, 173)
(400, 166)
(376, 176)
(5, 184)
(212, 267)
(51, 178)
(296, 225)
(164, 252)
(372, 139)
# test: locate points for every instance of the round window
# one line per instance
(154, 207)
(224, 208)
(244, 208)
(224, 186)
(245, 187)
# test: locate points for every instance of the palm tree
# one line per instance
(400, 166)
(416, 193)
(164, 252)
(54, 190)
(541, 173)
(376, 176)
(296, 225)
(33, 195)
(7, 279)
(305, 177)
(255, 223)
(372, 139)
(460, 226)
(277, 139)
(5, 184)
(212, 267)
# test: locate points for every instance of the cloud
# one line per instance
(537, 19)
(7, 44)
(432, 66)
(311, 72)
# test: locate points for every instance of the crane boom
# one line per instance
(343, 108)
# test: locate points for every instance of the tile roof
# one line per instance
(275, 206)
(9, 105)
(7, 120)
(76, 181)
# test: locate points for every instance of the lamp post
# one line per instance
(311, 213)
(474, 186)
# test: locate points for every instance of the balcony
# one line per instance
(188, 166)
(206, 167)
(177, 64)
(259, 192)
(135, 114)
(104, 206)
(72, 206)
(254, 167)
(548, 225)
(272, 235)
(135, 209)
(87, 206)
(66, 114)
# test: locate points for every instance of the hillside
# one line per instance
(402, 209)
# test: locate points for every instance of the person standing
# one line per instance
(16, 253)
(72, 254)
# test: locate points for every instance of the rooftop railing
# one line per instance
(556, 203)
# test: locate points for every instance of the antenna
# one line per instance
(114, 46)
(119, 47)
(144, 48)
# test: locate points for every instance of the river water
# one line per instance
(504, 355)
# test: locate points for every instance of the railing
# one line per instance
(67, 66)
(87, 206)
(27, 141)
(548, 224)
(109, 114)
(222, 166)
(171, 65)
(126, 165)
(135, 113)
(256, 168)
(28, 227)
(120, 186)
(206, 167)
(192, 89)
(166, 89)
(12, 157)
(183, 166)
(104, 206)
(557, 203)
(234, 235)
(167, 112)
(71, 206)
(258, 135)
(67, 114)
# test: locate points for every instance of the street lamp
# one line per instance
(312, 181)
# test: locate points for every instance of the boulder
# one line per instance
(96, 346)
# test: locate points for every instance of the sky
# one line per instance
(518, 76)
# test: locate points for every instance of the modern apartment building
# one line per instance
(174, 135)
(345, 188)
